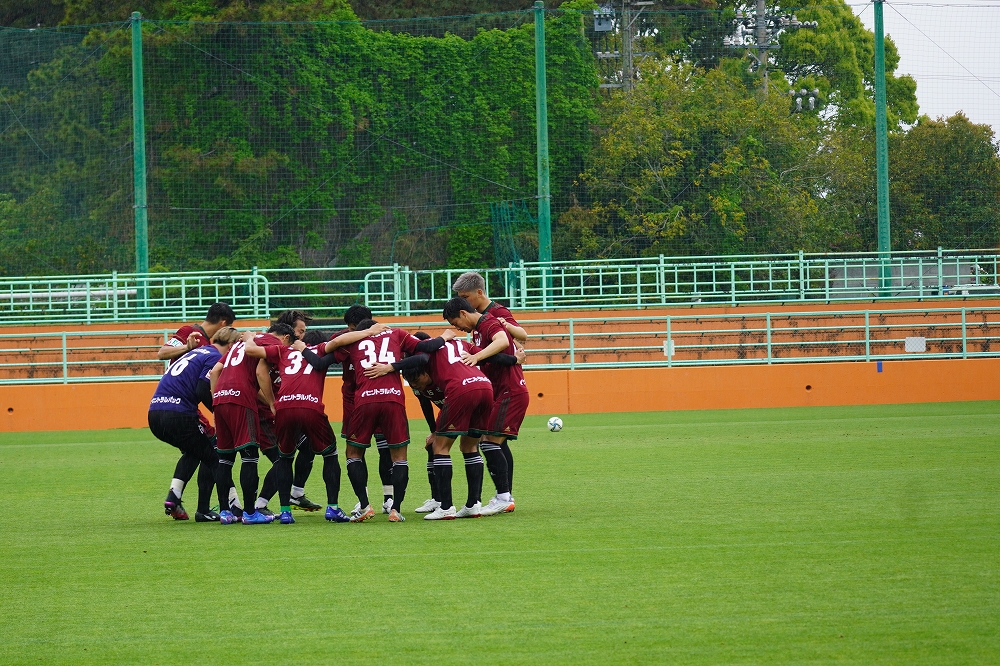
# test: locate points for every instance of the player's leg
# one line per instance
(384, 470)
(432, 503)
(473, 475)
(364, 420)
(442, 479)
(505, 422)
(249, 435)
(288, 430)
(396, 431)
(505, 448)
(269, 487)
(167, 426)
(225, 448)
(323, 443)
(303, 468)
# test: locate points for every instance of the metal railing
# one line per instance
(588, 342)
(399, 290)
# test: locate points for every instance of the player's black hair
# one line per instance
(420, 335)
(291, 316)
(280, 329)
(365, 324)
(356, 314)
(454, 307)
(413, 374)
(314, 336)
(220, 312)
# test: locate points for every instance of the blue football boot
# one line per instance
(226, 518)
(336, 515)
(256, 518)
(286, 518)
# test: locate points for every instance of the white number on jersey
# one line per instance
(370, 359)
(236, 354)
(178, 367)
(297, 361)
(454, 348)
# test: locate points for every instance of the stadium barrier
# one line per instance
(761, 335)
(568, 392)
(563, 285)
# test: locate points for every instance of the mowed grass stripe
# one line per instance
(842, 534)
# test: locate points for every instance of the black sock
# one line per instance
(224, 479)
(303, 466)
(270, 485)
(497, 464)
(384, 466)
(248, 477)
(357, 472)
(206, 481)
(185, 467)
(474, 476)
(331, 477)
(430, 475)
(505, 447)
(400, 478)
(283, 480)
(442, 476)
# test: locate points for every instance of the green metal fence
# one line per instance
(398, 290)
(588, 342)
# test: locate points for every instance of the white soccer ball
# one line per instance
(555, 424)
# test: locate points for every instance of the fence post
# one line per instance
(769, 338)
(964, 337)
(572, 347)
(184, 300)
(670, 344)
(114, 290)
(868, 349)
(802, 276)
(524, 284)
(139, 161)
(86, 290)
(732, 282)
(65, 360)
(255, 293)
(661, 279)
(940, 272)
(882, 159)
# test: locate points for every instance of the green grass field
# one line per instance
(859, 535)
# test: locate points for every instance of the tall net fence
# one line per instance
(352, 144)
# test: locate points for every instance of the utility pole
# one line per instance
(759, 32)
(882, 157)
(139, 162)
(762, 40)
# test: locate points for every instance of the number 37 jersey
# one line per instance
(301, 384)
(386, 347)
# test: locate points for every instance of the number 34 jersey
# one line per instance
(301, 384)
(386, 347)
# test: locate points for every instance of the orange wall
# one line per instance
(560, 392)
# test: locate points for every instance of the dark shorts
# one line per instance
(388, 418)
(507, 414)
(268, 436)
(294, 423)
(181, 430)
(237, 427)
(466, 414)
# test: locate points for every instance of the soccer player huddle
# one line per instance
(266, 393)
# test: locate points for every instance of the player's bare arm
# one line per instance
(499, 343)
(354, 336)
(264, 382)
(169, 352)
(252, 348)
(213, 376)
(516, 332)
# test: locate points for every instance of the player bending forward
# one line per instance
(174, 418)
(378, 405)
(468, 401)
(299, 412)
(510, 393)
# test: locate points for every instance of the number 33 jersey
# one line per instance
(301, 384)
(386, 347)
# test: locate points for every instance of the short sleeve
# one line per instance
(407, 342)
(272, 354)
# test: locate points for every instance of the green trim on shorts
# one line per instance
(490, 433)
(358, 444)
(239, 448)
(399, 446)
(332, 447)
(287, 456)
(451, 435)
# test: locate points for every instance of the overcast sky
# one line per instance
(953, 52)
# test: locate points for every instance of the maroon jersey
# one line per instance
(180, 338)
(238, 380)
(386, 347)
(499, 312)
(301, 384)
(504, 378)
(263, 411)
(347, 374)
(449, 373)
(434, 393)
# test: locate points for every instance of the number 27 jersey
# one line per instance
(386, 347)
